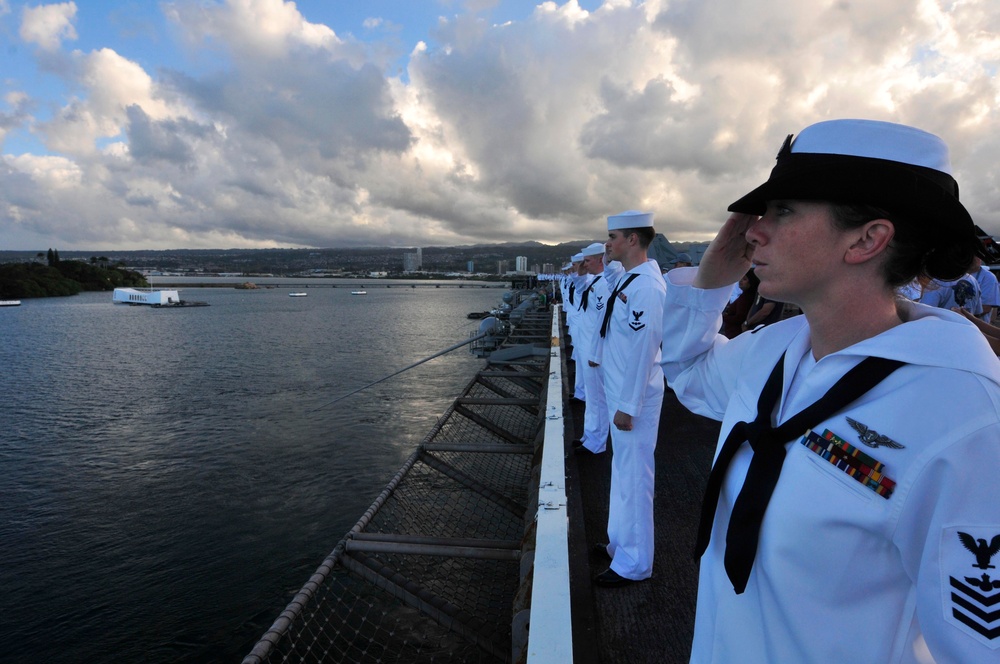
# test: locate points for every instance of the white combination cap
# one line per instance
(630, 219)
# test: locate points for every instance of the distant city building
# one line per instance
(536, 268)
(378, 275)
(503, 267)
(470, 266)
(521, 263)
(548, 268)
(412, 262)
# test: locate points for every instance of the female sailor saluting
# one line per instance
(816, 545)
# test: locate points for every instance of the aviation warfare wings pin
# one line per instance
(971, 581)
(873, 438)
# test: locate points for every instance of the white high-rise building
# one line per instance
(413, 262)
(521, 263)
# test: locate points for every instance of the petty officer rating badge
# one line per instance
(600, 302)
(637, 324)
(967, 556)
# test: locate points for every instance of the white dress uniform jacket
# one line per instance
(842, 573)
(963, 292)
(632, 335)
(989, 288)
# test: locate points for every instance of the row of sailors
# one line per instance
(617, 354)
(615, 350)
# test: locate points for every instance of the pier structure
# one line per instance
(479, 548)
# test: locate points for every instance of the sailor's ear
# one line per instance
(869, 241)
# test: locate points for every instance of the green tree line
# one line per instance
(57, 277)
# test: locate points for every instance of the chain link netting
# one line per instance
(431, 571)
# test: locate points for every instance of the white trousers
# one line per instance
(595, 415)
(630, 509)
(579, 389)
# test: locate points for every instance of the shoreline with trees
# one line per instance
(58, 278)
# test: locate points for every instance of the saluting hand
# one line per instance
(729, 256)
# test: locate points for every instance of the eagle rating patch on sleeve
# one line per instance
(636, 323)
(972, 581)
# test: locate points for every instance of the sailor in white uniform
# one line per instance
(853, 509)
(627, 349)
(567, 291)
(594, 300)
(577, 284)
(564, 283)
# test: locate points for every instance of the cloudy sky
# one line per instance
(325, 123)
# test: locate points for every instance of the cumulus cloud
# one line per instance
(288, 134)
(48, 25)
(108, 85)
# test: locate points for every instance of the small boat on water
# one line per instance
(297, 294)
(10, 303)
(359, 292)
(152, 297)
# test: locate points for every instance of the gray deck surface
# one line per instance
(651, 621)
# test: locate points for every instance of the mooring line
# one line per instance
(415, 364)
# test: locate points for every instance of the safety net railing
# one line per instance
(438, 568)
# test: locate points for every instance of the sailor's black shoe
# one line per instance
(611, 579)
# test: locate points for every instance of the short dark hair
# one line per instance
(645, 233)
(911, 253)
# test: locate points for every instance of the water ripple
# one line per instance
(170, 477)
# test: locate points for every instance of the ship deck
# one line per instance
(651, 621)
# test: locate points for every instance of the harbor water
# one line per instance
(170, 477)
